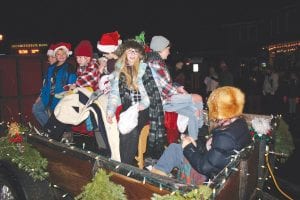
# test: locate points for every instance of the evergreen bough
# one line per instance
(102, 188)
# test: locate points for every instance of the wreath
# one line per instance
(260, 129)
(282, 139)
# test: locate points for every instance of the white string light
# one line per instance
(129, 173)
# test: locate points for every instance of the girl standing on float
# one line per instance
(128, 89)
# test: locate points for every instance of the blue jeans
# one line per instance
(183, 104)
(172, 157)
(40, 113)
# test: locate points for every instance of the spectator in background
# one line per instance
(270, 87)
(293, 94)
(179, 76)
(253, 88)
(58, 75)
(225, 76)
(211, 81)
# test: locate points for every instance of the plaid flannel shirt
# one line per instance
(163, 79)
(87, 77)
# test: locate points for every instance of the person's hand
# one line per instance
(38, 99)
(140, 107)
(181, 90)
(208, 144)
(186, 140)
(109, 119)
(72, 87)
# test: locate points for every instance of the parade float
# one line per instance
(33, 165)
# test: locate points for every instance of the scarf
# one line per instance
(124, 93)
(162, 69)
(157, 135)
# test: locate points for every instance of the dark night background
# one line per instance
(190, 25)
(193, 27)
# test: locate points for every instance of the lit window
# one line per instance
(35, 51)
(23, 51)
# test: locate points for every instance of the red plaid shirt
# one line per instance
(87, 77)
(163, 79)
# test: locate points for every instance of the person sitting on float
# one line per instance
(174, 98)
(230, 134)
(58, 75)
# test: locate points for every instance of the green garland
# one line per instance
(25, 157)
(204, 192)
(102, 188)
(14, 148)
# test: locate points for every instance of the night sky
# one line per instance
(182, 21)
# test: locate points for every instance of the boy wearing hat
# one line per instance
(59, 74)
(108, 44)
(174, 98)
(50, 54)
(87, 72)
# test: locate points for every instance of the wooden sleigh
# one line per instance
(71, 168)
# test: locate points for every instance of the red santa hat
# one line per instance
(65, 46)
(50, 51)
(84, 48)
(109, 42)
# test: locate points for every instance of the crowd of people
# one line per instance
(268, 90)
(132, 79)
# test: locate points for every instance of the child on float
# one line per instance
(230, 134)
(174, 98)
(59, 74)
(127, 90)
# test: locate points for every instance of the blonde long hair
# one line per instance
(130, 72)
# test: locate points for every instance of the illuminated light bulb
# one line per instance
(129, 173)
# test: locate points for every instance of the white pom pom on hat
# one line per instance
(50, 51)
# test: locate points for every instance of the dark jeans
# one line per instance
(271, 104)
(129, 142)
(55, 128)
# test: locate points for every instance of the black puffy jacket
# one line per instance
(225, 140)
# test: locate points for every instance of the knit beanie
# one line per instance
(84, 48)
(159, 43)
